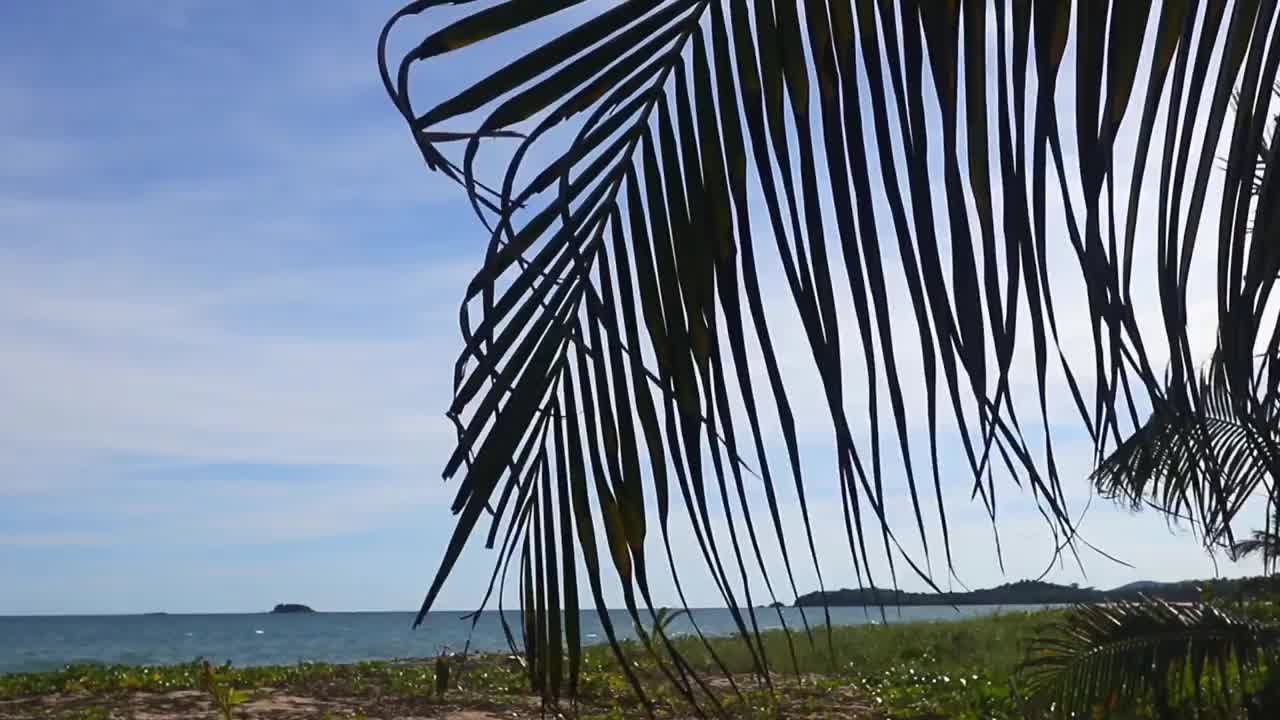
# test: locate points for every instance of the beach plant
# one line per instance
(442, 675)
(663, 618)
(225, 697)
(912, 224)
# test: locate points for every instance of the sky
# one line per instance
(228, 320)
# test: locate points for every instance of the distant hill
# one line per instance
(1031, 592)
(1139, 586)
(287, 608)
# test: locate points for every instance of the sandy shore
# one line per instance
(266, 704)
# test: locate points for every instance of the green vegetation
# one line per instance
(399, 677)
(1205, 660)
(224, 696)
(955, 669)
(944, 646)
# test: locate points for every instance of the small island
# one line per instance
(290, 608)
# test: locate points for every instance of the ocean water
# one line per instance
(48, 642)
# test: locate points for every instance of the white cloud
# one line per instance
(92, 367)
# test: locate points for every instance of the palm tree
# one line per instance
(1117, 657)
(665, 159)
(1197, 656)
(1262, 542)
(1201, 459)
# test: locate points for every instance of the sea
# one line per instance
(35, 643)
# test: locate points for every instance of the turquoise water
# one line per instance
(48, 642)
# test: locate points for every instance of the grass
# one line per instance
(959, 669)
(996, 640)
(953, 669)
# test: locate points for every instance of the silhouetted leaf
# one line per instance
(694, 192)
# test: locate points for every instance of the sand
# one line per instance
(266, 704)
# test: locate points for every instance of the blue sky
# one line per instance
(228, 320)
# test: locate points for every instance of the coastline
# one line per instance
(952, 666)
(49, 642)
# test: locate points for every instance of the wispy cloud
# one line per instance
(198, 283)
(91, 366)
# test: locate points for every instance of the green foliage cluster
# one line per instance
(955, 669)
(225, 697)
(996, 641)
(1210, 660)
(409, 679)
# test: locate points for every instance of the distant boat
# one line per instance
(289, 608)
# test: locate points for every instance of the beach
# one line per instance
(927, 669)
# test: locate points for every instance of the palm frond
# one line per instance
(1202, 455)
(1122, 655)
(1262, 542)
(622, 360)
